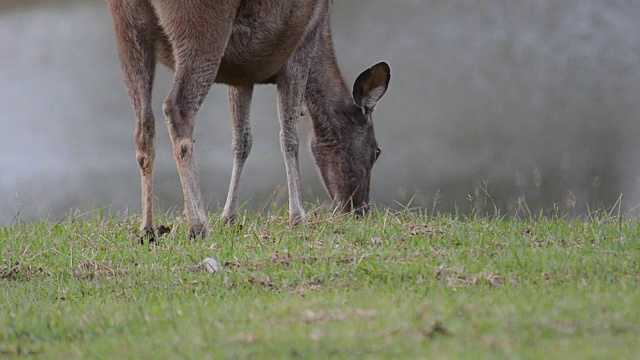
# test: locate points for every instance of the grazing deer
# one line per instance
(242, 43)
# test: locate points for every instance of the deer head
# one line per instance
(346, 157)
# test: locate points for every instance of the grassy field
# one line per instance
(392, 285)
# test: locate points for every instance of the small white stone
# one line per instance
(211, 265)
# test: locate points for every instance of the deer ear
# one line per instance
(371, 85)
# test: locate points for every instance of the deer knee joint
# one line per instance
(145, 161)
(184, 148)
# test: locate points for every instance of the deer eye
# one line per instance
(378, 152)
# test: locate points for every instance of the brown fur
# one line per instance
(242, 43)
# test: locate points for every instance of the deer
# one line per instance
(243, 43)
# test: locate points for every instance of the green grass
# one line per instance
(386, 286)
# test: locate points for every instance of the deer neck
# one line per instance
(327, 97)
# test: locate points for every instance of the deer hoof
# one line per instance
(151, 235)
(229, 219)
(147, 234)
(296, 220)
(198, 231)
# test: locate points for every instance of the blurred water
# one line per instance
(534, 101)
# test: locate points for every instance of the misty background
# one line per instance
(530, 102)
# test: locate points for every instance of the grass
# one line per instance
(390, 285)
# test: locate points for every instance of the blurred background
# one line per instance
(493, 104)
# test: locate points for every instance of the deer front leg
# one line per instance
(240, 103)
(180, 108)
(291, 84)
(137, 60)
(198, 32)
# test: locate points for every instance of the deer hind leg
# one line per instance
(198, 48)
(291, 83)
(240, 103)
(138, 61)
